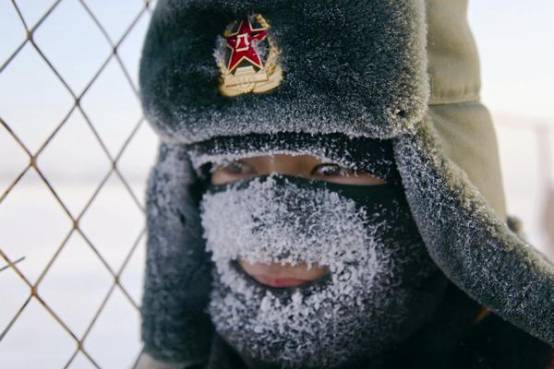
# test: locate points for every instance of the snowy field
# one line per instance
(75, 266)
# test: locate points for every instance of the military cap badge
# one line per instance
(247, 57)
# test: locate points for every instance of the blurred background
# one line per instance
(75, 152)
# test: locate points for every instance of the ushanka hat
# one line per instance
(260, 76)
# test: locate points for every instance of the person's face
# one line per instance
(306, 166)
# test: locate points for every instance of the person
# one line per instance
(327, 193)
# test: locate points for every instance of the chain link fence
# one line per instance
(72, 242)
(54, 296)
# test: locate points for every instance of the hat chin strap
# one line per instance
(472, 246)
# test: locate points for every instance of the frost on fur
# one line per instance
(177, 277)
(376, 88)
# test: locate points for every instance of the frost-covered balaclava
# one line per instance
(378, 291)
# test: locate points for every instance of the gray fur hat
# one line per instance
(245, 76)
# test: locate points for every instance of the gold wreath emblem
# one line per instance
(240, 55)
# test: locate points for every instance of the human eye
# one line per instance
(232, 171)
(336, 173)
(329, 170)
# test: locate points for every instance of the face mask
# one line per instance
(376, 294)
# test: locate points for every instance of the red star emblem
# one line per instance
(240, 43)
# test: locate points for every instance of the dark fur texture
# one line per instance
(475, 249)
(177, 278)
(351, 66)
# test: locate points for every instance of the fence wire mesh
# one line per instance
(38, 287)
(80, 355)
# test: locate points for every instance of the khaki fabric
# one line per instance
(468, 138)
(452, 53)
(463, 124)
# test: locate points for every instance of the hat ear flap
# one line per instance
(175, 326)
(469, 242)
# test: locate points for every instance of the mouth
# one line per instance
(279, 282)
(283, 275)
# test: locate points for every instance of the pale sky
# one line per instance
(516, 43)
